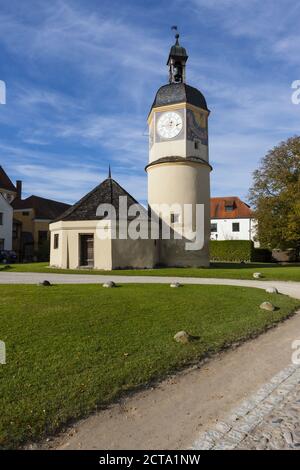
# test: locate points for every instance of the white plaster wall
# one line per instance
(181, 183)
(134, 253)
(108, 253)
(179, 146)
(67, 255)
(224, 226)
(6, 227)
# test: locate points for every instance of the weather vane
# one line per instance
(175, 28)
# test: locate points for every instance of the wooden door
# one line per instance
(87, 250)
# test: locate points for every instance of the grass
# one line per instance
(74, 348)
(270, 271)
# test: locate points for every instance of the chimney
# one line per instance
(19, 189)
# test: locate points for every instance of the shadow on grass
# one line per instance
(5, 267)
(224, 265)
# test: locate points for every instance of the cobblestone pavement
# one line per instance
(269, 419)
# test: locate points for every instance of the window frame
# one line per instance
(56, 241)
(211, 227)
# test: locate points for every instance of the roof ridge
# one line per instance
(44, 199)
(111, 182)
(5, 181)
(71, 209)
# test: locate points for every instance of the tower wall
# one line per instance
(178, 169)
(195, 122)
(178, 184)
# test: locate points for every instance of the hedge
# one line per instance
(237, 250)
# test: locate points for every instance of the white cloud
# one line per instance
(109, 67)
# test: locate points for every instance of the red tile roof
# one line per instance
(240, 210)
(5, 182)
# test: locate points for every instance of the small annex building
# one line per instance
(76, 240)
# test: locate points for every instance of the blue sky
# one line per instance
(81, 76)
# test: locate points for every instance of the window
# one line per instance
(43, 236)
(15, 231)
(56, 241)
(1, 218)
(214, 227)
(196, 144)
(1, 244)
(235, 227)
(25, 213)
(174, 218)
(229, 207)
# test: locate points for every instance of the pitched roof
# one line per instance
(44, 208)
(108, 192)
(5, 181)
(240, 210)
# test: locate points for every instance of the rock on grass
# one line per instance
(267, 306)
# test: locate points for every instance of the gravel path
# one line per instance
(288, 288)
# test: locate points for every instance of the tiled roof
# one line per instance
(240, 210)
(179, 93)
(5, 182)
(108, 192)
(44, 208)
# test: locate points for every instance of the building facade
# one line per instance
(6, 218)
(32, 217)
(178, 178)
(76, 241)
(179, 169)
(8, 193)
(232, 219)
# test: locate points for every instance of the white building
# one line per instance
(178, 176)
(231, 219)
(8, 193)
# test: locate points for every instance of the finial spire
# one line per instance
(175, 28)
(177, 60)
(109, 171)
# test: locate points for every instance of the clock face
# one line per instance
(169, 125)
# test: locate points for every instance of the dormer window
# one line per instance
(229, 206)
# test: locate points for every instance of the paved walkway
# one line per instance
(288, 288)
(269, 419)
(178, 412)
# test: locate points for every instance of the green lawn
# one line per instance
(72, 349)
(217, 270)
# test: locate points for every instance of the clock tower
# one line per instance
(178, 169)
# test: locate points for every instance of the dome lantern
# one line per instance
(176, 61)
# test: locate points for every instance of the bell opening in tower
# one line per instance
(177, 72)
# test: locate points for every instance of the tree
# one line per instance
(275, 196)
